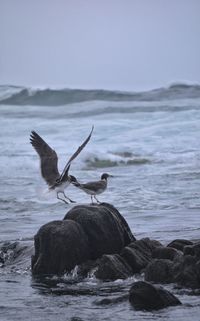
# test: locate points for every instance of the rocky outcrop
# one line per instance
(170, 265)
(98, 239)
(145, 296)
(139, 253)
(187, 271)
(86, 233)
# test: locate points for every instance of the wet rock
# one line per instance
(86, 268)
(112, 267)
(59, 247)
(168, 253)
(86, 233)
(145, 296)
(187, 273)
(179, 244)
(105, 227)
(160, 271)
(139, 253)
(196, 248)
(189, 250)
(16, 254)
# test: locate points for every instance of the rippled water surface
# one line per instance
(150, 147)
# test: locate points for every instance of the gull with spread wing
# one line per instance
(49, 164)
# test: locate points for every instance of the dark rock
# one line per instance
(193, 249)
(106, 229)
(179, 244)
(86, 268)
(145, 296)
(139, 253)
(159, 271)
(168, 253)
(189, 250)
(16, 254)
(86, 233)
(59, 247)
(112, 267)
(196, 248)
(187, 272)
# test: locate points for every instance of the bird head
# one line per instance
(105, 176)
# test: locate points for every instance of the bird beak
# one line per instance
(111, 175)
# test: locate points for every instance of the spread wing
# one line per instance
(48, 158)
(75, 155)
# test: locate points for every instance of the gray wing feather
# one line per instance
(93, 186)
(48, 158)
(76, 154)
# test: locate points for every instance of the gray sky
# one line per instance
(111, 44)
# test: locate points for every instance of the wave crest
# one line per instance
(115, 159)
(13, 95)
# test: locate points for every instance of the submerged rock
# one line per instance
(16, 255)
(145, 296)
(112, 267)
(86, 233)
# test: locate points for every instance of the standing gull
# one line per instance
(49, 164)
(93, 188)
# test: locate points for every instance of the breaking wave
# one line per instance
(115, 159)
(14, 95)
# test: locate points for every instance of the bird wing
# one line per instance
(48, 158)
(66, 169)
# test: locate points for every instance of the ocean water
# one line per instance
(148, 141)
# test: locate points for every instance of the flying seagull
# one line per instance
(49, 164)
(93, 188)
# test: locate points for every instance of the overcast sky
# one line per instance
(111, 44)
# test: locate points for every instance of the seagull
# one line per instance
(49, 164)
(92, 188)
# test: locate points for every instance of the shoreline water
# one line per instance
(158, 197)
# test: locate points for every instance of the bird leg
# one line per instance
(68, 198)
(92, 199)
(61, 199)
(96, 199)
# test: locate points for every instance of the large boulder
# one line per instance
(145, 296)
(105, 227)
(86, 233)
(59, 247)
